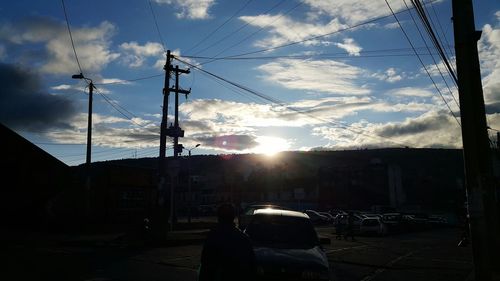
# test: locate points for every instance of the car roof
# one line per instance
(258, 206)
(280, 212)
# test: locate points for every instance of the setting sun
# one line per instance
(270, 145)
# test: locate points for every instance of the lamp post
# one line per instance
(89, 142)
(189, 182)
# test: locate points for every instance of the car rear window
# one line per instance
(282, 231)
(370, 222)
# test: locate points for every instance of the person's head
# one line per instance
(226, 213)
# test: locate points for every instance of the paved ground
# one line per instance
(430, 255)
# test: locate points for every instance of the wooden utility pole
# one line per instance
(161, 216)
(164, 123)
(176, 132)
(482, 191)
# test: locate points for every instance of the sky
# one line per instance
(265, 76)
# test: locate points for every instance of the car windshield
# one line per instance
(282, 231)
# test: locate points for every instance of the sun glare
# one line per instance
(270, 146)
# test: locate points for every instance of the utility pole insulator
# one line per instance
(181, 91)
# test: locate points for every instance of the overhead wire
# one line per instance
(260, 29)
(283, 104)
(157, 27)
(421, 62)
(434, 60)
(432, 35)
(71, 36)
(219, 27)
(238, 29)
(323, 55)
(447, 45)
(120, 108)
(121, 82)
(312, 37)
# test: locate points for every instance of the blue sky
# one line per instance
(339, 79)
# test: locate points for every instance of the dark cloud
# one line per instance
(430, 123)
(24, 104)
(229, 142)
(492, 108)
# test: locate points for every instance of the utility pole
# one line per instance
(482, 190)
(88, 159)
(176, 132)
(161, 217)
(190, 197)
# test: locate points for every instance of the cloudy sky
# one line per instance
(289, 74)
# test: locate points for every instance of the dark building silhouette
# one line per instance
(32, 182)
(119, 194)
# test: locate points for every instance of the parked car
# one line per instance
(287, 246)
(437, 221)
(393, 222)
(246, 215)
(317, 218)
(415, 222)
(372, 226)
(330, 218)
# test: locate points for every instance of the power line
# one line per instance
(310, 38)
(129, 80)
(115, 105)
(282, 104)
(432, 35)
(260, 29)
(447, 45)
(220, 26)
(315, 37)
(237, 30)
(71, 36)
(325, 55)
(435, 62)
(421, 62)
(157, 28)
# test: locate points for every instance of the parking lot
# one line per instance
(424, 255)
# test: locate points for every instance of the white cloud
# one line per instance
(92, 47)
(326, 76)
(392, 25)
(190, 9)
(353, 11)
(489, 54)
(350, 46)
(410, 92)
(390, 75)
(284, 30)
(92, 44)
(61, 87)
(113, 81)
(136, 54)
(439, 68)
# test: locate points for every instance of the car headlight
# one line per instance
(315, 275)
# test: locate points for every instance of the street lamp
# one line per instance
(89, 140)
(189, 182)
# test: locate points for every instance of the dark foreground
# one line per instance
(429, 255)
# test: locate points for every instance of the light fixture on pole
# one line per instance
(89, 140)
(189, 182)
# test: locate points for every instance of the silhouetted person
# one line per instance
(339, 225)
(227, 253)
(350, 227)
